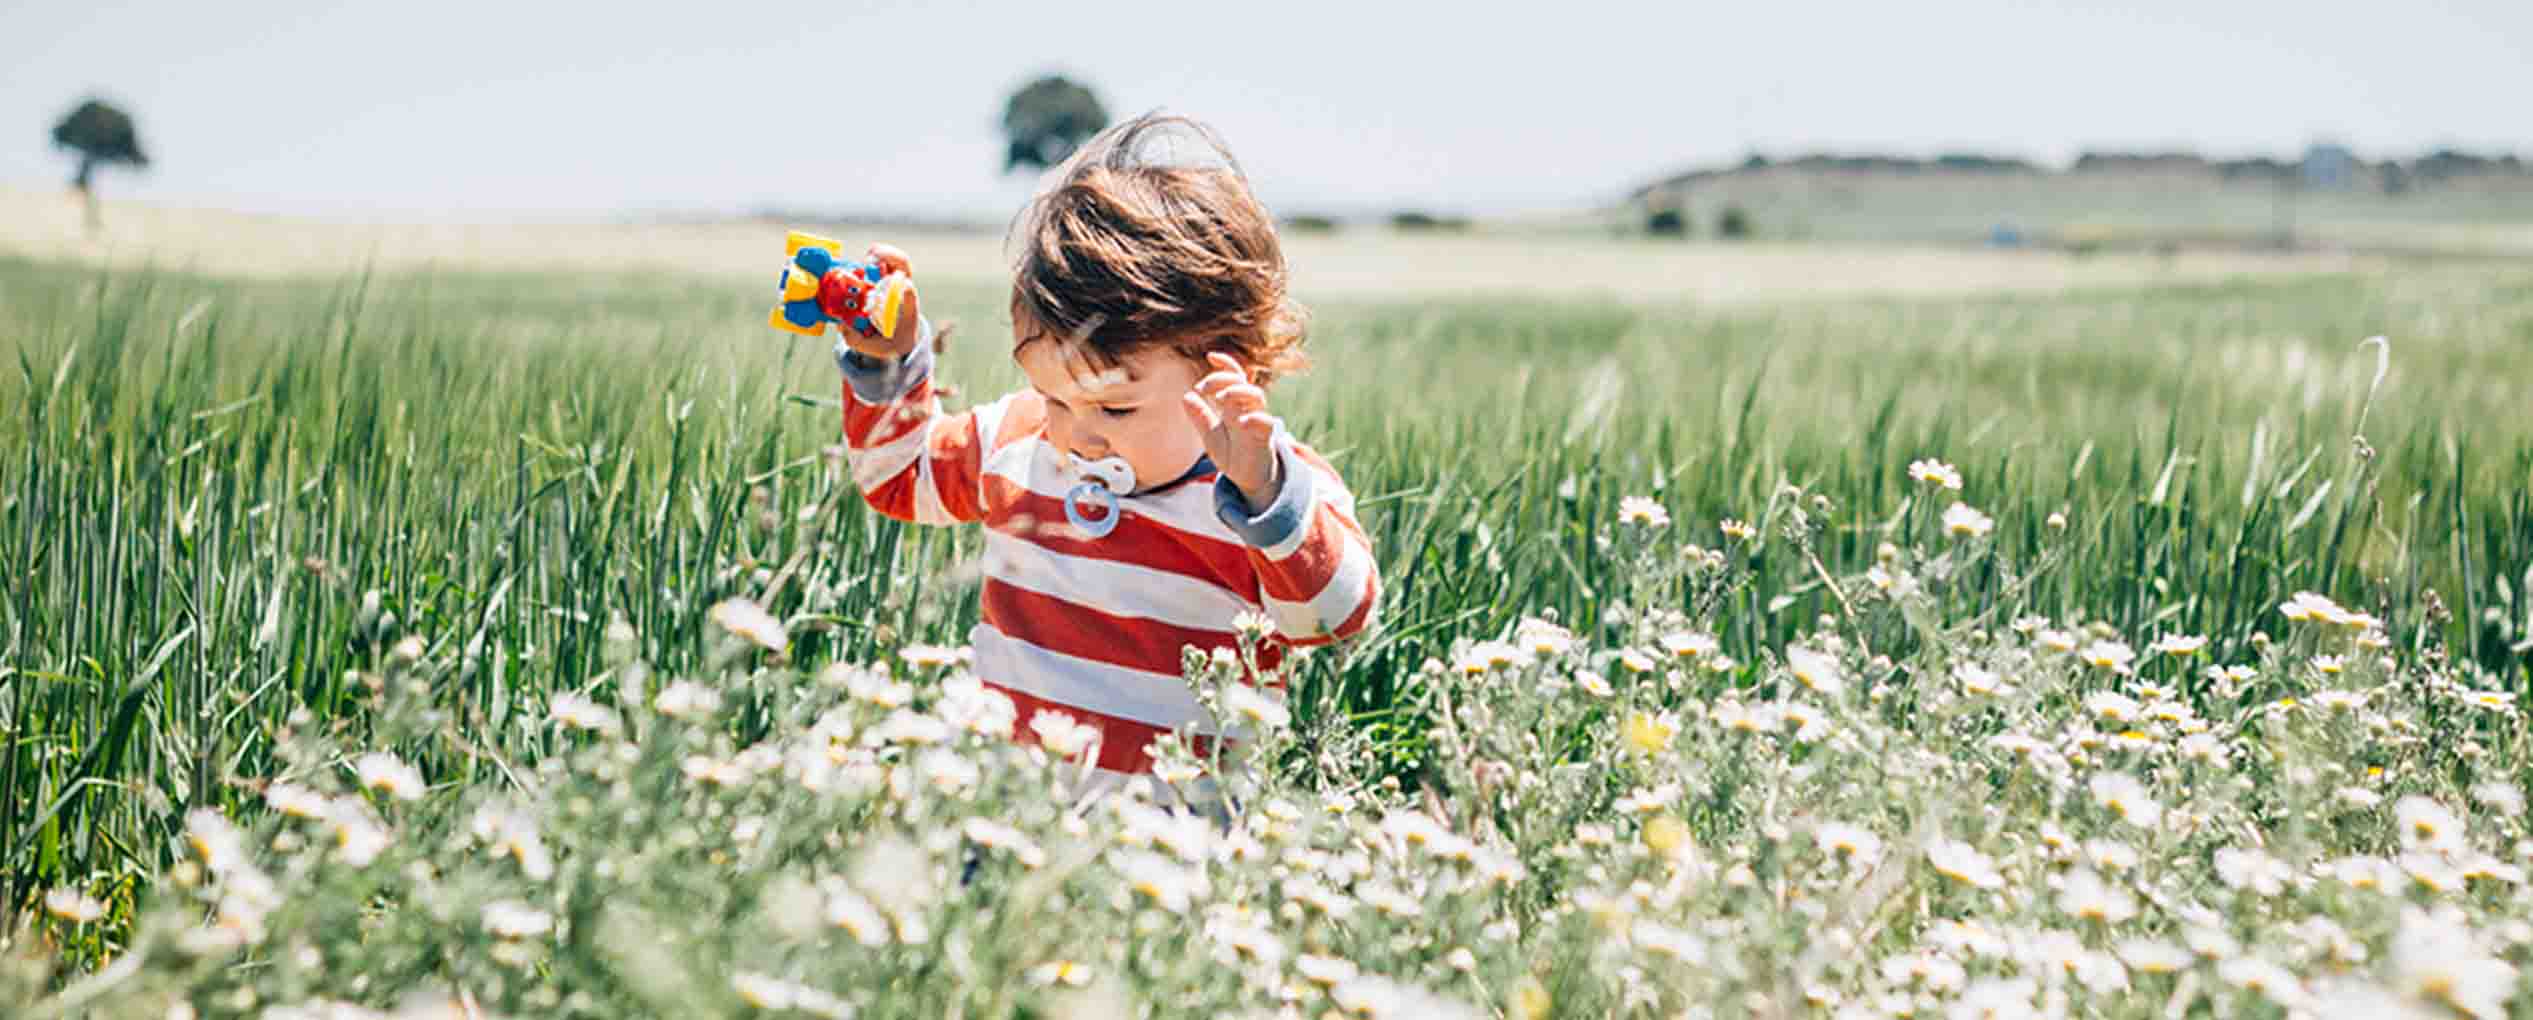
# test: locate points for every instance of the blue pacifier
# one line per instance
(1107, 477)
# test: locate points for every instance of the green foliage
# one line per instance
(100, 133)
(256, 530)
(1733, 224)
(1046, 119)
(1420, 220)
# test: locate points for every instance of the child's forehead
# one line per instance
(1051, 362)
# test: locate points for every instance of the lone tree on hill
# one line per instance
(101, 134)
(1047, 119)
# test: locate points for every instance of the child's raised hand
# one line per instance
(901, 340)
(1231, 413)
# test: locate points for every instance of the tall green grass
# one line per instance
(203, 480)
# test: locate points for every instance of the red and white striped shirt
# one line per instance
(1093, 627)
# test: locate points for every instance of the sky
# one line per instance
(461, 109)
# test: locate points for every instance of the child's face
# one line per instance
(1130, 411)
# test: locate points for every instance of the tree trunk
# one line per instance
(88, 194)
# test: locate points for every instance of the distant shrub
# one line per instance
(1417, 219)
(1733, 224)
(1667, 222)
(1307, 223)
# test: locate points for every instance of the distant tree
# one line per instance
(1047, 119)
(1667, 221)
(1734, 224)
(1420, 220)
(100, 134)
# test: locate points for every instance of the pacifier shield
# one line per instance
(1104, 480)
(1095, 494)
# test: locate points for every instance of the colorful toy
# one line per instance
(822, 286)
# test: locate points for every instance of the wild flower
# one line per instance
(2177, 645)
(2252, 871)
(511, 919)
(2127, 798)
(2152, 956)
(1935, 472)
(359, 837)
(295, 800)
(1643, 512)
(2110, 855)
(1542, 638)
(73, 906)
(908, 727)
(1979, 681)
(581, 713)
(1254, 707)
(750, 621)
(2427, 825)
(1848, 843)
(1648, 732)
(685, 699)
(1963, 863)
(1961, 520)
(2261, 977)
(1164, 882)
(1816, 671)
(929, 656)
(2111, 706)
(388, 774)
(2115, 656)
(2087, 897)
(1688, 645)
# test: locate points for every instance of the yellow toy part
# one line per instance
(787, 325)
(796, 240)
(889, 298)
(798, 285)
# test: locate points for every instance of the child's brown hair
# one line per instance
(1128, 249)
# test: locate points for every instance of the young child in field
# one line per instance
(1149, 313)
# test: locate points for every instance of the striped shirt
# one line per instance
(1093, 627)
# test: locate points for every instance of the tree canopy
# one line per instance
(1047, 119)
(100, 133)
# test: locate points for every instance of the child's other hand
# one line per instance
(1231, 413)
(892, 261)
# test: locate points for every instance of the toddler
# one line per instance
(1137, 495)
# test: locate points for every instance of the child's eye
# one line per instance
(1117, 412)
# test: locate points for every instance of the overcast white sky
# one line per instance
(464, 108)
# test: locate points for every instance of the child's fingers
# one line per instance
(891, 259)
(1201, 414)
(1257, 425)
(1226, 363)
(1240, 398)
(908, 318)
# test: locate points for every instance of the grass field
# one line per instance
(262, 525)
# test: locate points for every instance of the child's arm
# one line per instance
(911, 461)
(1316, 573)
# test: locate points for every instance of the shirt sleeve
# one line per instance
(1317, 577)
(911, 461)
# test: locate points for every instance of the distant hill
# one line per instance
(2324, 166)
(2328, 196)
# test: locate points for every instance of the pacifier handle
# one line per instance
(1096, 528)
